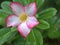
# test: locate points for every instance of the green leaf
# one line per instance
(3, 13)
(54, 20)
(4, 31)
(6, 36)
(11, 38)
(2, 21)
(6, 7)
(57, 23)
(34, 38)
(47, 13)
(3, 16)
(19, 40)
(39, 3)
(43, 25)
(53, 32)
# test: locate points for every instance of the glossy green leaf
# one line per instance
(4, 31)
(4, 12)
(43, 25)
(14, 32)
(6, 36)
(53, 20)
(39, 3)
(3, 16)
(58, 23)
(53, 32)
(2, 21)
(6, 7)
(47, 13)
(18, 40)
(34, 38)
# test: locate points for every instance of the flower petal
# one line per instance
(32, 22)
(17, 8)
(31, 9)
(12, 20)
(23, 29)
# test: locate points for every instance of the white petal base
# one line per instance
(23, 29)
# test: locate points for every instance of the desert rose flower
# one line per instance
(22, 17)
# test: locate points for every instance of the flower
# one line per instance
(22, 17)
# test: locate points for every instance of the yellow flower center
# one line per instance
(23, 17)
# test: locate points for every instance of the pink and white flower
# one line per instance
(22, 17)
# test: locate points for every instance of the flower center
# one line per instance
(23, 17)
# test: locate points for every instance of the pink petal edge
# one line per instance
(35, 9)
(17, 4)
(21, 32)
(7, 20)
(33, 24)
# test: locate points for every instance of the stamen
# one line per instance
(23, 17)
